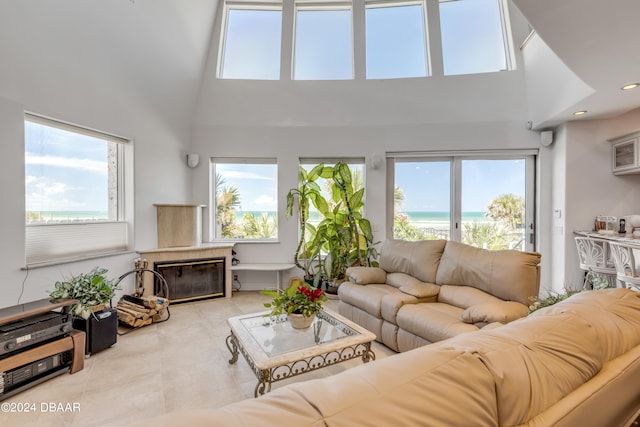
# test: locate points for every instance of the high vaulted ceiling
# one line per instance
(158, 48)
(598, 41)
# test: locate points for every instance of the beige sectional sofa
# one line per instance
(431, 290)
(576, 363)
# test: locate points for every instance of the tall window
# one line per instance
(482, 201)
(245, 195)
(73, 191)
(395, 40)
(473, 36)
(251, 47)
(357, 172)
(323, 42)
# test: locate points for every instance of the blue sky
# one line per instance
(427, 185)
(68, 173)
(256, 183)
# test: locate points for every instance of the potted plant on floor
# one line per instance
(93, 290)
(300, 302)
(344, 235)
(308, 193)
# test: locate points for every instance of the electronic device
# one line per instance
(23, 333)
(101, 329)
(17, 379)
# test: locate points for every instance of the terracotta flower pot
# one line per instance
(298, 321)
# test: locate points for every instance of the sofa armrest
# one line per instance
(495, 311)
(421, 290)
(366, 275)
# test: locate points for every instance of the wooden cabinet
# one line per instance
(624, 155)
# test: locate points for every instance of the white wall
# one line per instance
(104, 65)
(552, 87)
(584, 187)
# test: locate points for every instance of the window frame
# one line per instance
(267, 5)
(50, 244)
(312, 5)
(507, 39)
(381, 4)
(213, 227)
(456, 159)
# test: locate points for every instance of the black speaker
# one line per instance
(101, 329)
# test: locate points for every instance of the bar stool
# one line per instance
(595, 260)
(626, 266)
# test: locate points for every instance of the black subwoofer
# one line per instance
(101, 330)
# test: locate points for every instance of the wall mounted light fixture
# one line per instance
(376, 161)
(193, 160)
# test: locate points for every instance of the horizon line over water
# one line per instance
(50, 215)
(417, 218)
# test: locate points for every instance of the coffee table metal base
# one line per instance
(278, 373)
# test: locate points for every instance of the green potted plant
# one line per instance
(308, 193)
(553, 297)
(300, 302)
(345, 236)
(92, 290)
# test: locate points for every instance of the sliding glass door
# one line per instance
(485, 201)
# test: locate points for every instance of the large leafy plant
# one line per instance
(90, 289)
(308, 193)
(343, 237)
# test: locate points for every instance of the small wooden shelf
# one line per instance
(17, 312)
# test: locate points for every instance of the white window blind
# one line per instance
(60, 242)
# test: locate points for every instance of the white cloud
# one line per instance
(266, 201)
(245, 175)
(43, 193)
(86, 165)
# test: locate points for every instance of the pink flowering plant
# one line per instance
(298, 298)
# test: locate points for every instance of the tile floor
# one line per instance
(178, 364)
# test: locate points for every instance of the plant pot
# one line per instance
(331, 288)
(299, 321)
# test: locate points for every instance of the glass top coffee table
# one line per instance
(276, 351)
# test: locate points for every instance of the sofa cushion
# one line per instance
(464, 296)
(612, 312)
(366, 275)
(418, 259)
(510, 275)
(496, 311)
(416, 388)
(421, 290)
(535, 362)
(398, 280)
(433, 321)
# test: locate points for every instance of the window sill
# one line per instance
(32, 265)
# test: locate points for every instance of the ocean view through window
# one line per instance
(74, 204)
(244, 192)
(484, 202)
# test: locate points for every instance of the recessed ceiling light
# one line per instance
(579, 113)
(630, 86)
